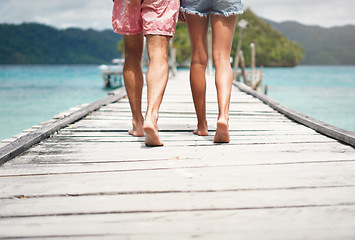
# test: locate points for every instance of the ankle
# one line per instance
(138, 121)
(202, 124)
(223, 118)
(151, 117)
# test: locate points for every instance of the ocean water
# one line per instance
(33, 94)
(326, 93)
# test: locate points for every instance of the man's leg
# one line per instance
(157, 77)
(133, 78)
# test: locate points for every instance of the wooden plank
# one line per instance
(73, 133)
(142, 202)
(183, 179)
(186, 125)
(41, 166)
(271, 224)
(191, 139)
(111, 151)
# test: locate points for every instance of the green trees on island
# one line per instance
(272, 47)
(32, 43)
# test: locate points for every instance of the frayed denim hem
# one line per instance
(226, 14)
(188, 11)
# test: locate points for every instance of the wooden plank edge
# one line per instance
(329, 130)
(15, 148)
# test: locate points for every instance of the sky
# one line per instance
(96, 14)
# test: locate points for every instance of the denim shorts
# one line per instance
(208, 7)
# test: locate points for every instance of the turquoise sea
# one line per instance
(33, 94)
(326, 93)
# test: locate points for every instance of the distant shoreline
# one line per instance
(321, 45)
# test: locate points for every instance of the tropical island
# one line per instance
(277, 44)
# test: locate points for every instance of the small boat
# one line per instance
(113, 74)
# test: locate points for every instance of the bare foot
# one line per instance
(137, 129)
(222, 132)
(202, 129)
(135, 132)
(200, 132)
(152, 138)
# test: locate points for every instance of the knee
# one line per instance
(133, 54)
(199, 59)
(159, 60)
(221, 60)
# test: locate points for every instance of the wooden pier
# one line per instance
(276, 179)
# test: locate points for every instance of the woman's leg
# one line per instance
(198, 27)
(222, 38)
(133, 78)
(157, 77)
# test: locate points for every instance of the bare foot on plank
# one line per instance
(222, 132)
(152, 138)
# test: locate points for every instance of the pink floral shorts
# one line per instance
(155, 17)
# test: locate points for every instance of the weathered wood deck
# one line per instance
(276, 179)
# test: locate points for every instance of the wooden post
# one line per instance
(172, 57)
(242, 24)
(261, 80)
(242, 66)
(257, 85)
(252, 46)
(236, 58)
